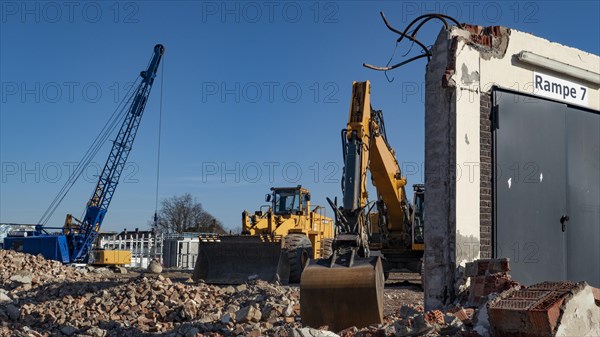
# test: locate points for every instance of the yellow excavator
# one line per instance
(372, 238)
(276, 242)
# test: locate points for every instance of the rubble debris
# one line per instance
(547, 309)
(22, 277)
(308, 332)
(4, 298)
(596, 293)
(464, 315)
(488, 276)
(482, 326)
(64, 301)
(101, 270)
(580, 314)
(20, 269)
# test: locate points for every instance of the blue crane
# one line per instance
(75, 242)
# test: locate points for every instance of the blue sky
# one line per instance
(255, 94)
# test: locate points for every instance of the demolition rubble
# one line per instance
(39, 297)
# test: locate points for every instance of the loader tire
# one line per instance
(327, 248)
(299, 249)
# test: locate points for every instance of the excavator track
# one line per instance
(346, 293)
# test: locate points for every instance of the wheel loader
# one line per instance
(373, 237)
(276, 242)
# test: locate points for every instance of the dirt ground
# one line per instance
(402, 289)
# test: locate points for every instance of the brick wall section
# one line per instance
(485, 204)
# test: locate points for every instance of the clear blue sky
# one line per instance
(253, 93)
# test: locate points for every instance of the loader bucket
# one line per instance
(340, 296)
(235, 259)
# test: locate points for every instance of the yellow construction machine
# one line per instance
(373, 238)
(276, 242)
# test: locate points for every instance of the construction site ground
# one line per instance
(39, 297)
(400, 288)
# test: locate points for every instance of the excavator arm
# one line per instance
(347, 289)
(366, 149)
(356, 139)
(392, 206)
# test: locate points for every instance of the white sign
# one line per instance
(559, 89)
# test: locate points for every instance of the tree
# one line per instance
(180, 214)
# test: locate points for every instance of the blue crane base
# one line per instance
(52, 247)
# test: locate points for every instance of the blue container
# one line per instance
(52, 247)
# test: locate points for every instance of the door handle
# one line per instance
(563, 222)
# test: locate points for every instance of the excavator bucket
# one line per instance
(340, 296)
(235, 259)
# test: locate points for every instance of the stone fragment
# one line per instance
(192, 332)
(309, 332)
(13, 312)
(96, 332)
(248, 314)
(68, 330)
(155, 267)
(225, 319)
(22, 277)
(4, 298)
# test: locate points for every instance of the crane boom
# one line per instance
(75, 242)
(107, 183)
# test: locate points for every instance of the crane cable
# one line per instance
(162, 78)
(113, 121)
(111, 125)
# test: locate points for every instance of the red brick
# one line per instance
(463, 316)
(527, 313)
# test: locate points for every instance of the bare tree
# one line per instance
(180, 214)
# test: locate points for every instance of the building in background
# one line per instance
(144, 245)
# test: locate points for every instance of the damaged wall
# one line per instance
(466, 64)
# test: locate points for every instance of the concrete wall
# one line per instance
(466, 64)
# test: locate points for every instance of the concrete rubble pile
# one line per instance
(412, 321)
(57, 300)
(26, 270)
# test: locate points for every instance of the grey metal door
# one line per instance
(530, 186)
(583, 196)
